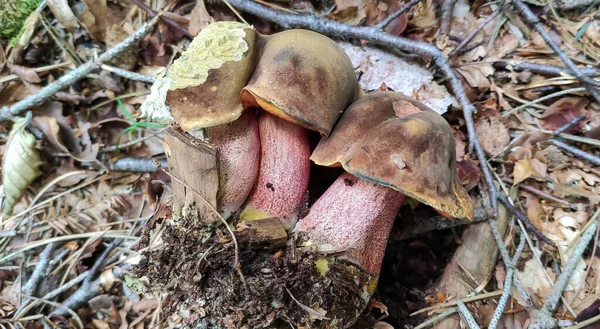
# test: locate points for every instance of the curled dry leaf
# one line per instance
(49, 126)
(526, 168)
(199, 18)
(493, 135)
(20, 165)
(27, 74)
(64, 14)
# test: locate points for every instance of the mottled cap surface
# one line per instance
(303, 77)
(206, 81)
(390, 139)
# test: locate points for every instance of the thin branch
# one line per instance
(466, 315)
(7, 113)
(446, 19)
(137, 164)
(577, 152)
(531, 18)
(90, 287)
(128, 74)
(568, 125)
(544, 69)
(167, 20)
(554, 296)
(375, 36)
(382, 25)
(541, 99)
(507, 261)
(525, 220)
(508, 282)
(541, 194)
(37, 276)
(473, 33)
(438, 317)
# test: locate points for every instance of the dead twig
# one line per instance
(507, 262)
(376, 36)
(90, 287)
(466, 315)
(541, 194)
(568, 125)
(532, 19)
(137, 164)
(167, 20)
(577, 152)
(37, 276)
(396, 14)
(553, 298)
(520, 216)
(7, 113)
(544, 69)
(446, 19)
(436, 318)
(128, 74)
(510, 272)
(473, 33)
(542, 318)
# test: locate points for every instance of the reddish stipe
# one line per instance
(239, 146)
(354, 216)
(283, 173)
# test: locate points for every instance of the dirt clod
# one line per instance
(195, 266)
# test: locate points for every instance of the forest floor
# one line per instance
(83, 178)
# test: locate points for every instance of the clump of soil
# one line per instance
(196, 267)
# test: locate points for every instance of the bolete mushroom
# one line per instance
(391, 147)
(201, 89)
(303, 80)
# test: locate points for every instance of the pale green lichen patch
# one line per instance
(216, 45)
(154, 108)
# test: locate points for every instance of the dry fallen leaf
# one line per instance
(20, 164)
(493, 135)
(64, 14)
(26, 73)
(199, 18)
(378, 67)
(533, 278)
(526, 168)
(476, 74)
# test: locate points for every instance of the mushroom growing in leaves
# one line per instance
(201, 89)
(391, 147)
(299, 88)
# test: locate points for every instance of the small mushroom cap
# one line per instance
(390, 139)
(206, 81)
(303, 77)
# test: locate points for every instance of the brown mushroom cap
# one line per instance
(303, 77)
(398, 142)
(207, 79)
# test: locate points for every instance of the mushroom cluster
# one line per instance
(256, 98)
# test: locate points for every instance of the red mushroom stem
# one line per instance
(364, 214)
(283, 173)
(238, 144)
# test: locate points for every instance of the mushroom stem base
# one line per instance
(353, 218)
